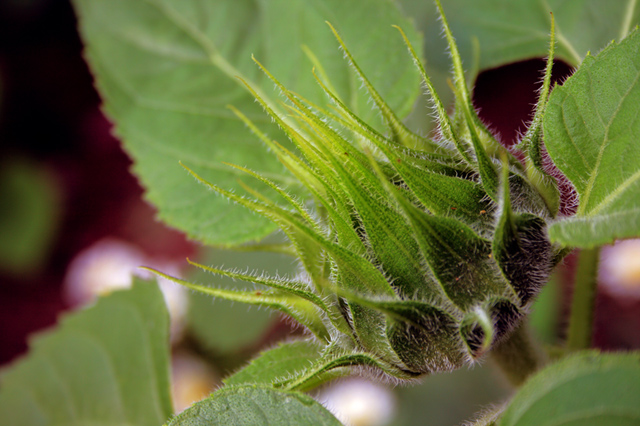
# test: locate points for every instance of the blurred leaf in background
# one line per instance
(30, 213)
(450, 398)
(494, 33)
(507, 31)
(545, 312)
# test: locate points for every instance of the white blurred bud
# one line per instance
(620, 268)
(359, 402)
(192, 379)
(110, 265)
(105, 266)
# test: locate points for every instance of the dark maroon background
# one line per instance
(50, 113)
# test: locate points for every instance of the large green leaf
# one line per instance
(510, 31)
(106, 365)
(588, 389)
(255, 406)
(591, 130)
(166, 70)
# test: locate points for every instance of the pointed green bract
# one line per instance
(293, 305)
(335, 362)
(446, 127)
(532, 140)
(520, 246)
(295, 288)
(399, 132)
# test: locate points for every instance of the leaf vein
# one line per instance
(594, 173)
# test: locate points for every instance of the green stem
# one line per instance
(584, 294)
(519, 355)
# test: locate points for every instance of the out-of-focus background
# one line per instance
(73, 225)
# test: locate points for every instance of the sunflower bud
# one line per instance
(421, 253)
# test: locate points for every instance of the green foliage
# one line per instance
(591, 132)
(167, 71)
(108, 365)
(491, 33)
(545, 313)
(508, 31)
(255, 405)
(587, 389)
(29, 216)
(417, 254)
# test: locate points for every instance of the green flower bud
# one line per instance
(422, 253)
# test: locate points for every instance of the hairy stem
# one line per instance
(519, 355)
(584, 294)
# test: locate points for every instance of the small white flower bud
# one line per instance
(359, 402)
